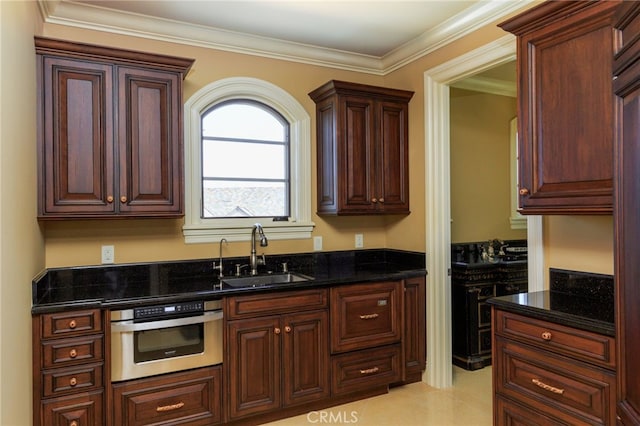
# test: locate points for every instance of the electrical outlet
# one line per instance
(108, 254)
(317, 243)
(359, 241)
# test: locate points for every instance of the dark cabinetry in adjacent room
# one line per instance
(109, 132)
(474, 281)
(362, 138)
(565, 106)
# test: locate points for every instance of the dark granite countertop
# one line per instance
(129, 285)
(576, 299)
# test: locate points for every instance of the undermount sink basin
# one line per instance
(266, 280)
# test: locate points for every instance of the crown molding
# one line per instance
(92, 17)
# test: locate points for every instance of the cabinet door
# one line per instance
(75, 139)
(150, 148)
(305, 357)
(565, 107)
(392, 162)
(415, 340)
(357, 155)
(253, 374)
(627, 227)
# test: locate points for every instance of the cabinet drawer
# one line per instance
(63, 352)
(275, 303)
(508, 413)
(86, 409)
(576, 392)
(79, 379)
(580, 344)
(365, 369)
(69, 324)
(191, 397)
(365, 315)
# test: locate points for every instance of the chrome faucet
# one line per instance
(219, 267)
(254, 261)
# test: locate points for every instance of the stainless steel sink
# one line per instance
(266, 280)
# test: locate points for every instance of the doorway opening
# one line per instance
(438, 212)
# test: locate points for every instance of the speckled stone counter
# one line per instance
(577, 299)
(117, 286)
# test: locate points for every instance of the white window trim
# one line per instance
(299, 226)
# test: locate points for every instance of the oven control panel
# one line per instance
(168, 310)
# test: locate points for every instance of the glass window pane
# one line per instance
(243, 121)
(243, 160)
(245, 199)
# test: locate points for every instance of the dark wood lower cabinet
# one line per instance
(548, 374)
(191, 397)
(276, 361)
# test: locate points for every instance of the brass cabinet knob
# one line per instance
(72, 324)
(123, 199)
(73, 353)
(546, 335)
(287, 329)
(73, 381)
(524, 191)
(74, 423)
(276, 330)
(374, 200)
(110, 199)
(381, 200)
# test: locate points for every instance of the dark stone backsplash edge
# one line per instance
(139, 280)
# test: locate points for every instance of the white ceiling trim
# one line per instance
(487, 85)
(88, 16)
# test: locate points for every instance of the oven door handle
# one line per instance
(128, 326)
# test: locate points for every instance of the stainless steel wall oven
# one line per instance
(158, 339)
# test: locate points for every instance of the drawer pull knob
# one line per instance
(276, 330)
(547, 387)
(110, 199)
(73, 381)
(287, 329)
(163, 408)
(123, 199)
(73, 353)
(523, 191)
(73, 324)
(370, 370)
(369, 316)
(546, 335)
(374, 200)
(74, 423)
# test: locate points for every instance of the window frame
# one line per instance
(206, 230)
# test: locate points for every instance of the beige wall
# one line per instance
(78, 243)
(480, 166)
(581, 243)
(21, 244)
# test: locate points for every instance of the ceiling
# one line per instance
(362, 35)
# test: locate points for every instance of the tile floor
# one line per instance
(467, 403)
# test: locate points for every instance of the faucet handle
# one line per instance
(239, 269)
(218, 268)
(261, 260)
(285, 267)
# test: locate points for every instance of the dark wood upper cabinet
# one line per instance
(565, 106)
(627, 207)
(110, 132)
(362, 149)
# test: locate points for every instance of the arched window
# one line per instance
(247, 160)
